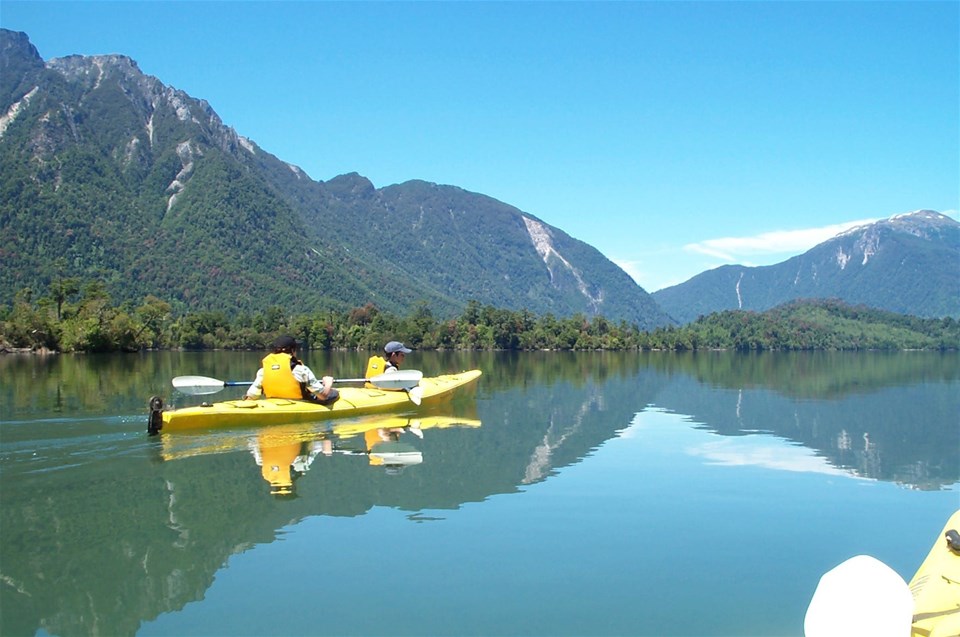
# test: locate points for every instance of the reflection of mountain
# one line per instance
(870, 430)
(102, 534)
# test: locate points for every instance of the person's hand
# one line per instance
(327, 384)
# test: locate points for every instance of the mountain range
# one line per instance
(109, 175)
(909, 264)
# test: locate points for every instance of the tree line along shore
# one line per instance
(92, 323)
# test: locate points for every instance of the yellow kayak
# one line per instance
(354, 401)
(936, 586)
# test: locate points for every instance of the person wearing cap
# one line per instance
(395, 353)
(282, 375)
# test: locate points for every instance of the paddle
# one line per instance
(860, 597)
(398, 380)
(415, 394)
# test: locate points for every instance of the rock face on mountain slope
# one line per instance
(908, 264)
(109, 175)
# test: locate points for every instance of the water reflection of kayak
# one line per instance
(864, 596)
(193, 443)
(353, 401)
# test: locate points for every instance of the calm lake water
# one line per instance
(568, 494)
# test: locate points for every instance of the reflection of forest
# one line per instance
(811, 375)
(102, 533)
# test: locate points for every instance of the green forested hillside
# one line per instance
(469, 246)
(811, 325)
(110, 177)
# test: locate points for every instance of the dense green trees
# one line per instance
(75, 317)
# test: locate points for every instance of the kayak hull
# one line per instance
(354, 401)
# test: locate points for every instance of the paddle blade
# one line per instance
(862, 597)
(394, 455)
(415, 394)
(197, 385)
(398, 380)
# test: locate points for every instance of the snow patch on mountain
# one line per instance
(543, 243)
(98, 62)
(842, 258)
(150, 129)
(185, 152)
(181, 108)
(13, 111)
(131, 150)
(869, 244)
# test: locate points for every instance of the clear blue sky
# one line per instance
(672, 136)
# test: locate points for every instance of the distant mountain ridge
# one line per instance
(909, 264)
(107, 174)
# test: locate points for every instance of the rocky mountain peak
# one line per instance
(351, 185)
(77, 67)
(924, 224)
(16, 45)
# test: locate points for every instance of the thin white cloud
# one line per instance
(630, 267)
(744, 452)
(661, 267)
(709, 249)
(735, 249)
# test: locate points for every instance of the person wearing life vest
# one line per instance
(283, 376)
(395, 353)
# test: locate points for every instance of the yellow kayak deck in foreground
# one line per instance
(936, 586)
(354, 401)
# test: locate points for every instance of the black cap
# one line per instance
(284, 343)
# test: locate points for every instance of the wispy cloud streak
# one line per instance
(734, 249)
